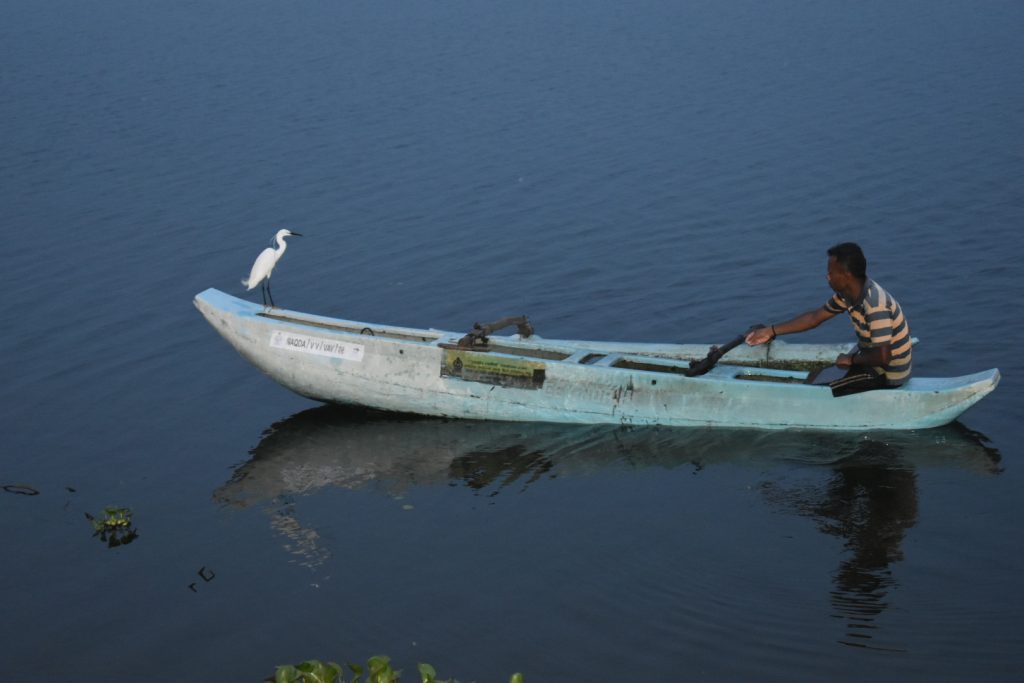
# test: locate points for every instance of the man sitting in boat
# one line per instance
(882, 358)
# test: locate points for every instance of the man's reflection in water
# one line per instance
(871, 506)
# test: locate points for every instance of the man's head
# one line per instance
(847, 267)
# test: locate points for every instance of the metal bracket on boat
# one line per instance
(700, 367)
(478, 335)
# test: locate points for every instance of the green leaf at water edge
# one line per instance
(315, 671)
(427, 673)
(356, 670)
(516, 678)
(378, 663)
(286, 674)
(380, 669)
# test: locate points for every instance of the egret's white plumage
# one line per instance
(265, 263)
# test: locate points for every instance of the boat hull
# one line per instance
(424, 372)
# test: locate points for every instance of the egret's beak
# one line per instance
(296, 234)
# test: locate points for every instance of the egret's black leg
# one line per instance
(263, 292)
(270, 294)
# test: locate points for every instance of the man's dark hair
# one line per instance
(851, 258)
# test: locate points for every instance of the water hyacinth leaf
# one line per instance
(315, 671)
(380, 670)
(286, 674)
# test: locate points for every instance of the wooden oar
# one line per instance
(699, 367)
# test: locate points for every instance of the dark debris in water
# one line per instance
(206, 574)
(21, 489)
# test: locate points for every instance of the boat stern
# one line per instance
(953, 396)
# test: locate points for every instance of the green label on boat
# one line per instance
(487, 369)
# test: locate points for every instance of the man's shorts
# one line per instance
(858, 379)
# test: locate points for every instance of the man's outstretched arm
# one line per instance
(801, 323)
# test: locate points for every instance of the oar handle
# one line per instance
(699, 367)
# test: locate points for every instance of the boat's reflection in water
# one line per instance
(329, 446)
(868, 498)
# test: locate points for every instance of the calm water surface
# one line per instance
(653, 170)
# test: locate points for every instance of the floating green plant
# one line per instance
(114, 526)
(378, 670)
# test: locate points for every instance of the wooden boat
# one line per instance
(530, 379)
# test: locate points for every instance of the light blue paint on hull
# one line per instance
(541, 380)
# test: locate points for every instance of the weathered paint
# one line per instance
(540, 380)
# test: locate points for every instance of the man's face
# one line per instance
(838, 277)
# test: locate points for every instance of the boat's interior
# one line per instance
(742, 372)
(779, 371)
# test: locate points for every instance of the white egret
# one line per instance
(265, 263)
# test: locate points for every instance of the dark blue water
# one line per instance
(653, 170)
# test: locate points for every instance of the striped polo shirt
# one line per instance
(878, 319)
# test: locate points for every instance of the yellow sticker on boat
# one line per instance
(473, 366)
(318, 346)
